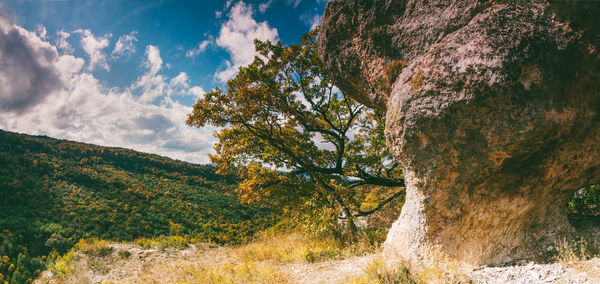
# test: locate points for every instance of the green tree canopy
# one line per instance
(294, 138)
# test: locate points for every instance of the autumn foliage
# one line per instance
(298, 141)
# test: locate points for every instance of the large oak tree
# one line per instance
(298, 141)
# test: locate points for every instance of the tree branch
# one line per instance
(381, 205)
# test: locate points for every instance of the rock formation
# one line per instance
(492, 109)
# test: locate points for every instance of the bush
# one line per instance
(64, 265)
(124, 254)
(585, 201)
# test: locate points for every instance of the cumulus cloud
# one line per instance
(151, 83)
(90, 112)
(62, 43)
(202, 46)
(79, 107)
(125, 45)
(180, 85)
(180, 80)
(153, 60)
(197, 91)
(41, 31)
(29, 70)
(93, 46)
(237, 36)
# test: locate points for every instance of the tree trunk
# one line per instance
(349, 229)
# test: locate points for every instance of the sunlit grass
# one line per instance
(171, 260)
(296, 247)
(245, 272)
(378, 271)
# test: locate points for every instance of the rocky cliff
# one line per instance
(492, 109)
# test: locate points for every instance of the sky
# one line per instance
(126, 73)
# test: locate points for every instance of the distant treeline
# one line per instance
(55, 192)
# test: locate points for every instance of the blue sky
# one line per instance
(126, 73)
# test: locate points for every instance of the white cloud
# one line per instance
(62, 43)
(179, 85)
(314, 21)
(79, 107)
(202, 46)
(89, 112)
(237, 37)
(68, 65)
(154, 86)
(93, 46)
(180, 80)
(197, 91)
(219, 13)
(29, 71)
(151, 84)
(264, 6)
(40, 31)
(125, 45)
(153, 61)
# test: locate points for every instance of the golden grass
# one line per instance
(378, 271)
(295, 248)
(202, 272)
(381, 271)
(165, 242)
(245, 272)
(570, 253)
(164, 260)
(577, 255)
(267, 259)
(290, 248)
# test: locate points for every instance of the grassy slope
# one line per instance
(54, 192)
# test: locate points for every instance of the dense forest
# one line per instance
(55, 192)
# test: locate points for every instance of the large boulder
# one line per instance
(492, 109)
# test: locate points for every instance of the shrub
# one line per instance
(585, 201)
(64, 265)
(124, 254)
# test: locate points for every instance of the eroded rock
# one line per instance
(492, 109)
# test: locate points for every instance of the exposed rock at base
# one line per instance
(586, 271)
(492, 109)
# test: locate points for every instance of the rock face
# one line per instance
(492, 109)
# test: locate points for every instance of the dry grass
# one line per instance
(387, 272)
(379, 272)
(295, 248)
(268, 259)
(200, 272)
(578, 255)
(571, 253)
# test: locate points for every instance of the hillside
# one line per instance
(55, 192)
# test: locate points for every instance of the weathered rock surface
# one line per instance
(531, 273)
(492, 108)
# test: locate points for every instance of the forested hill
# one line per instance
(54, 192)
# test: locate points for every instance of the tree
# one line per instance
(296, 140)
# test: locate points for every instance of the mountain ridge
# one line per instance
(54, 192)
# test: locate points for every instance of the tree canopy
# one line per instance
(294, 138)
